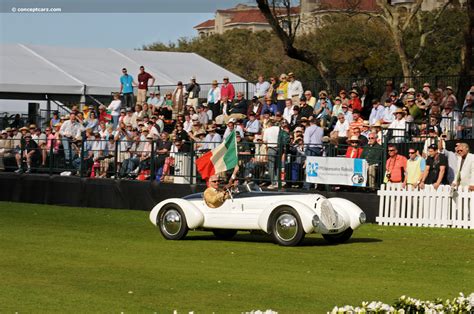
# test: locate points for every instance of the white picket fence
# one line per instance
(443, 207)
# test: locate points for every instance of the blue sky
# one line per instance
(116, 30)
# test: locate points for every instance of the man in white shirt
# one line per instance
(153, 100)
(340, 130)
(398, 126)
(212, 139)
(270, 138)
(465, 168)
(377, 112)
(253, 125)
(70, 130)
(389, 111)
(261, 89)
(187, 124)
(347, 114)
(295, 89)
(231, 127)
(288, 111)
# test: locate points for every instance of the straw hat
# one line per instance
(354, 139)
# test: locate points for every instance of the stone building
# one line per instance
(311, 13)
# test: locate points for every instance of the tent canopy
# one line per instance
(60, 70)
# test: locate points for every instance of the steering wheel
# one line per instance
(230, 193)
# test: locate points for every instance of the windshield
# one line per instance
(252, 187)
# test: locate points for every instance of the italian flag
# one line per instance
(220, 159)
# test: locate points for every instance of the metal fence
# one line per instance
(376, 85)
(283, 164)
(460, 85)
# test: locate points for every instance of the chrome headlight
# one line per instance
(316, 221)
(362, 217)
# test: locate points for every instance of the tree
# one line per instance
(242, 52)
(468, 33)
(287, 36)
(398, 19)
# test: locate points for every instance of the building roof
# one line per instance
(206, 24)
(243, 14)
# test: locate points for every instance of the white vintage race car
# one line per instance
(286, 216)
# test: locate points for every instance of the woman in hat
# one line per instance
(355, 102)
(354, 150)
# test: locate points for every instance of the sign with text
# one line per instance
(336, 170)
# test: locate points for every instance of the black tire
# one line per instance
(286, 227)
(224, 234)
(340, 237)
(172, 222)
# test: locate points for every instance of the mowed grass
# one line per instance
(62, 259)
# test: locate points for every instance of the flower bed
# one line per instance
(404, 304)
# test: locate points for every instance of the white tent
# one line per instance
(59, 70)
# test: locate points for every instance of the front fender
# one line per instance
(349, 209)
(194, 217)
(304, 211)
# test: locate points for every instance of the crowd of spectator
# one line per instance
(278, 126)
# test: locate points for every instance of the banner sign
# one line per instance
(336, 170)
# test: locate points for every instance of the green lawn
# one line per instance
(62, 259)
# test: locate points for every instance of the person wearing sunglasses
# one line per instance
(436, 168)
(415, 168)
(126, 88)
(29, 154)
(395, 166)
(373, 154)
(465, 167)
(214, 195)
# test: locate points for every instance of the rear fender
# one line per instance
(304, 211)
(194, 217)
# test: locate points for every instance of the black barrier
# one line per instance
(122, 194)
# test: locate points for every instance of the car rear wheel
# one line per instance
(340, 237)
(224, 234)
(286, 227)
(172, 222)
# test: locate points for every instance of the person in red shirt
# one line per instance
(227, 90)
(395, 167)
(355, 102)
(143, 79)
(354, 151)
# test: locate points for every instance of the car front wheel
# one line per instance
(340, 237)
(172, 222)
(286, 227)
